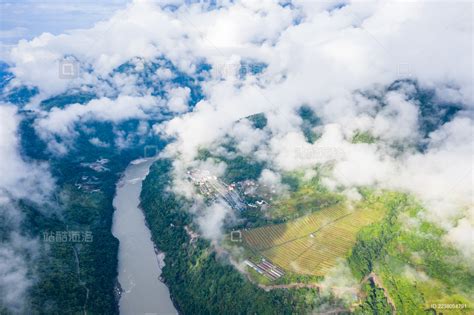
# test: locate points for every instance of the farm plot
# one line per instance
(313, 243)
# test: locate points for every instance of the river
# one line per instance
(139, 265)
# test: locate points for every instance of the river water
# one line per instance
(139, 265)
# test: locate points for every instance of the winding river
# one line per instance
(139, 264)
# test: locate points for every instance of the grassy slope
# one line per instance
(305, 200)
(312, 243)
(415, 266)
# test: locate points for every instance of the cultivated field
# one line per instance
(313, 243)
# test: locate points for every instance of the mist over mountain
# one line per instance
(378, 92)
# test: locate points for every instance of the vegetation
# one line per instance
(79, 277)
(241, 168)
(310, 120)
(238, 168)
(63, 100)
(259, 121)
(363, 137)
(305, 197)
(313, 243)
(384, 236)
(413, 267)
(200, 282)
(401, 260)
(73, 277)
(374, 302)
(417, 269)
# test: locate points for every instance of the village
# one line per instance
(213, 188)
(240, 196)
(91, 183)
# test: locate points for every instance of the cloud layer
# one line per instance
(339, 60)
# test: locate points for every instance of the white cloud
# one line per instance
(98, 143)
(272, 180)
(14, 279)
(462, 236)
(310, 63)
(325, 59)
(340, 282)
(212, 220)
(19, 180)
(178, 99)
(130, 33)
(398, 120)
(62, 122)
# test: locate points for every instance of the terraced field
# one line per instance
(313, 243)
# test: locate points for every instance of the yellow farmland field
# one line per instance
(313, 243)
